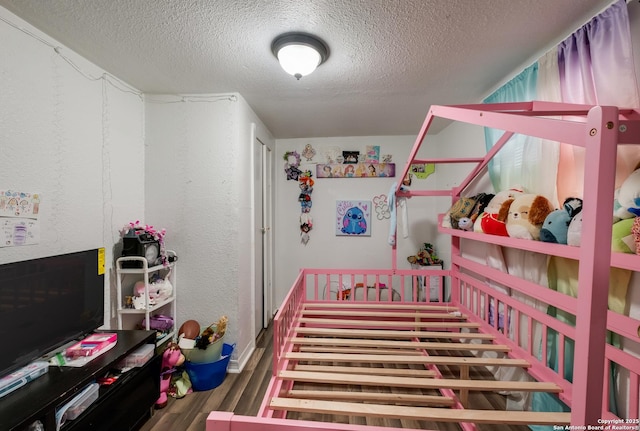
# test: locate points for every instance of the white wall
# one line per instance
(325, 249)
(74, 138)
(198, 188)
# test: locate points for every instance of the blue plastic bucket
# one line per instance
(209, 375)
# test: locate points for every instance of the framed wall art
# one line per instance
(353, 218)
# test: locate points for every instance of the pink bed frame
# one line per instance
(599, 129)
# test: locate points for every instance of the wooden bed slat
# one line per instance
(434, 360)
(361, 351)
(379, 314)
(423, 383)
(421, 413)
(378, 371)
(386, 398)
(389, 324)
(389, 333)
(399, 344)
(376, 305)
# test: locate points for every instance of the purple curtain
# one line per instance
(596, 67)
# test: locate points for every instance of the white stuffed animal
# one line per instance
(627, 202)
(490, 220)
(574, 233)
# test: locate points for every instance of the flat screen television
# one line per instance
(47, 302)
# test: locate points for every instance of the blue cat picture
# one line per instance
(353, 218)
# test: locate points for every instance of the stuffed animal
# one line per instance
(172, 357)
(482, 200)
(635, 231)
(465, 223)
(526, 213)
(622, 240)
(627, 202)
(574, 233)
(491, 221)
(556, 225)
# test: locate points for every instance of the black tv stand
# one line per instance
(123, 405)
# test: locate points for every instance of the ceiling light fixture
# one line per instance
(299, 53)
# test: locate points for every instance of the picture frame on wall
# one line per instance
(373, 154)
(353, 218)
(350, 157)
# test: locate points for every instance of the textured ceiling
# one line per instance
(390, 59)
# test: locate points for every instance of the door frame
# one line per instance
(264, 227)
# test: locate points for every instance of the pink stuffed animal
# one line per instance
(171, 358)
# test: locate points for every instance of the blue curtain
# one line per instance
(505, 170)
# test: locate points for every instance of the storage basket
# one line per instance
(206, 376)
(212, 353)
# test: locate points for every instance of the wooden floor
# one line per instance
(243, 393)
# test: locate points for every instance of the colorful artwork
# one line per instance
(373, 154)
(357, 170)
(423, 171)
(19, 204)
(18, 231)
(353, 218)
(19, 212)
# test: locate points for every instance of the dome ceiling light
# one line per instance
(299, 53)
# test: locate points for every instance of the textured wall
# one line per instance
(198, 188)
(72, 136)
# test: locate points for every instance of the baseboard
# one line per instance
(237, 365)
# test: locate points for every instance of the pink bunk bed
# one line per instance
(365, 343)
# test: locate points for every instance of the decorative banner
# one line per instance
(355, 170)
(353, 218)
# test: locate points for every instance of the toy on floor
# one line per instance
(172, 358)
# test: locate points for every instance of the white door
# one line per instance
(262, 234)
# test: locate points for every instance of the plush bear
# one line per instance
(627, 202)
(172, 357)
(556, 225)
(491, 221)
(526, 213)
